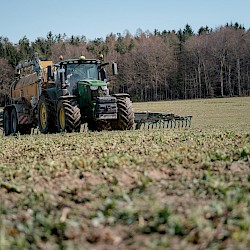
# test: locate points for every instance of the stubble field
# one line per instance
(146, 189)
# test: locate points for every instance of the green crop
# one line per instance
(146, 189)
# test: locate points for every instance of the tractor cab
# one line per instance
(82, 70)
(89, 74)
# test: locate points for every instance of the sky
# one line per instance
(99, 18)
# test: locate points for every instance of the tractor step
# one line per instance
(147, 120)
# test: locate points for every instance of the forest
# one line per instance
(158, 65)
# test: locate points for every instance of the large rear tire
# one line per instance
(46, 116)
(68, 116)
(125, 119)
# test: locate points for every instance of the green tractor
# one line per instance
(60, 97)
(77, 92)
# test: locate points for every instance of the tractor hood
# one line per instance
(94, 83)
(90, 90)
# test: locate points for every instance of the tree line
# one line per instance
(153, 66)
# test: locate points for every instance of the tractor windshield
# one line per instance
(81, 72)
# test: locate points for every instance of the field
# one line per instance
(146, 189)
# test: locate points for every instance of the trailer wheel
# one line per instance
(6, 122)
(14, 122)
(125, 120)
(68, 116)
(46, 121)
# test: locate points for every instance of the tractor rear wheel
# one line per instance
(46, 114)
(125, 119)
(68, 116)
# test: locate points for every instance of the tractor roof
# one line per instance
(80, 61)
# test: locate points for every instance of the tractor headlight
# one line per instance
(104, 87)
(94, 87)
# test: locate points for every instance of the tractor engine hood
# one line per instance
(89, 89)
(94, 84)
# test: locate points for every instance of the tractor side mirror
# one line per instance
(103, 74)
(114, 68)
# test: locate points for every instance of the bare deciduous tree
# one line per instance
(6, 76)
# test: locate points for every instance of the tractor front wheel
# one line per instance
(125, 119)
(68, 116)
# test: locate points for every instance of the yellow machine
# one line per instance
(26, 86)
(20, 115)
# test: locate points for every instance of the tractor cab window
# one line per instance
(81, 72)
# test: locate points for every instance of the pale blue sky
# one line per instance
(98, 18)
